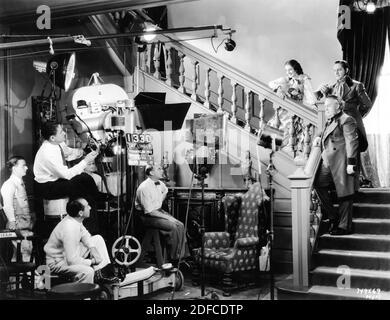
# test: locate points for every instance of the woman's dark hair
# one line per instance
(13, 161)
(49, 129)
(73, 207)
(295, 65)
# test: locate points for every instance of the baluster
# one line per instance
(307, 142)
(292, 137)
(195, 80)
(156, 61)
(276, 120)
(262, 123)
(169, 66)
(207, 88)
(220, 93)
(247, 110)
(234, 102)
(181, 73)
(146, 56)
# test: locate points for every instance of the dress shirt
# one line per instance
(48, 164)
(150, 196)
(14, 196)
(64, 242)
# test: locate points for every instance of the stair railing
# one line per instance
(248, 102)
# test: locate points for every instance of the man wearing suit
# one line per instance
(355, 99)
(338, 168)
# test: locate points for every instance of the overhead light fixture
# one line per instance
(230, 44)
(365, 5)
(370, 7)
(60, 68)
(149, 28)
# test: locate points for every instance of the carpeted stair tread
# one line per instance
(356, 253)
(382, 237)
(371, 226)
(336, 293)
(370, 260)
(359, 278)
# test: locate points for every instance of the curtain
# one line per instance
(378, 131)
(364, 45)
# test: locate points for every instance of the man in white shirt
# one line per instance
(54, 179)
(150, 196)
(72, 251)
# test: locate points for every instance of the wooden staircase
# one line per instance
(355, 266)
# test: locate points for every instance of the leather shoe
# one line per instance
(339, 232)
(101, 278)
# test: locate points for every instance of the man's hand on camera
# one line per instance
(350, 169)
(90, 157)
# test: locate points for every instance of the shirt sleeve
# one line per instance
(86, 237)
(71, 243)
(308, 95)
(54, 164)
(7, 192)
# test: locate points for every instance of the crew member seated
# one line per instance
(149, 198)
(71, 251)
(16, 206)
(54, 180)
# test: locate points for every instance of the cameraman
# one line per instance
(54, 180)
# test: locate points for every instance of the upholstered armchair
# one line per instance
(237, 248)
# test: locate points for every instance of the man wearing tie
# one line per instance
(338, 168)
(54, 180)
(150, 196)
(355, 99)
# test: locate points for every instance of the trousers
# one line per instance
(173, 228)
(82, 186)
(322, 185)
(78, 272)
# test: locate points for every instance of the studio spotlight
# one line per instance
(370, 7)
(230, 45)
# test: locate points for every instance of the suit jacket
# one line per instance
(339, 146)
(356, 104)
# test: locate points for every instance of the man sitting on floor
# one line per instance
(72, 251)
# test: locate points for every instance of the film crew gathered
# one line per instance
(16, 205)
(55, 180)
(339, 166)
(149, 200)
(72, 252)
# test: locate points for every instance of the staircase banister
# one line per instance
(247, 81)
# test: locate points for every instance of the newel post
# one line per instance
(300, 210)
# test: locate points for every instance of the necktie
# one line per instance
(157, 183)
(63, 157)
(340, 89)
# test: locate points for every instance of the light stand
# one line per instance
(270, 172)
(201, 175)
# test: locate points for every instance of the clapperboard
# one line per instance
(139, 149)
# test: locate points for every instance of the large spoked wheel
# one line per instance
(126, 250)
(179, 281)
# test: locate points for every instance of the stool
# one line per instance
(152, 239)
(74, 291)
